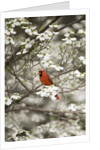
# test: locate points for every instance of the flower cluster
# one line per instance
(68, 39)
(15, 96)
(49, 91)
(10, 31)
(47, 35)
(31, 30)
(9, 40)
(46, 62)
(27, 43)
(79, 74)
(10, 25)
(59, 129)
(75, 107)
(72, 107)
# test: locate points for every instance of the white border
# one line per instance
(30, 143)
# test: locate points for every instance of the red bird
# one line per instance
(46, 80)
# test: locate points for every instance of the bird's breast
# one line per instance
(45, 81)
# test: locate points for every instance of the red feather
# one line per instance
(46, 80)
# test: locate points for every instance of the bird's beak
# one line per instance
(38, 73)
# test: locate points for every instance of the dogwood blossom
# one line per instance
(69, 33)
(82, 58)
(17, 22)
(73, 107)
(46, 62)
(31, 30)
(8, 101)
(48, 91)
(57, 67)
(9, 40)
(22, 52)
(28, 43)
(55, 33)
(79, 74)
(10, 31)
(69, 40)
(54, 26)
(81, 31)
(42, 37)
(15, 96)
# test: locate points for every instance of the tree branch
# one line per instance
(14, 74)
(47, 26)
(71, 23)
(44, 110)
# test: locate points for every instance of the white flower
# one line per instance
(28, 43)
(10, 31)
(77, 73)
(15, 96)
(72, 32)
(57, 67)
(69, 40)
(43, 93)
(46, 57)
(45, 36)
(22, 52)
(41, 37)
(82, 58)
(73, 39)
(55, 33)
(52, 88)
(17, 22)
(73, 107)
(48, 91)
(54, 26)
(46, 63)
(81, 31)
(67, 34)
(84, 62)
(8, 101)
(49, 33)
(9, 40)
(53, 96)
(22, 21)
(40, 55)
(31, 30)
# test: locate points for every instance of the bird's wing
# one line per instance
(49, 79)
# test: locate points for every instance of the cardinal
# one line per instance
(46, 80)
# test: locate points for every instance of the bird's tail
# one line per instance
(57, 97)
